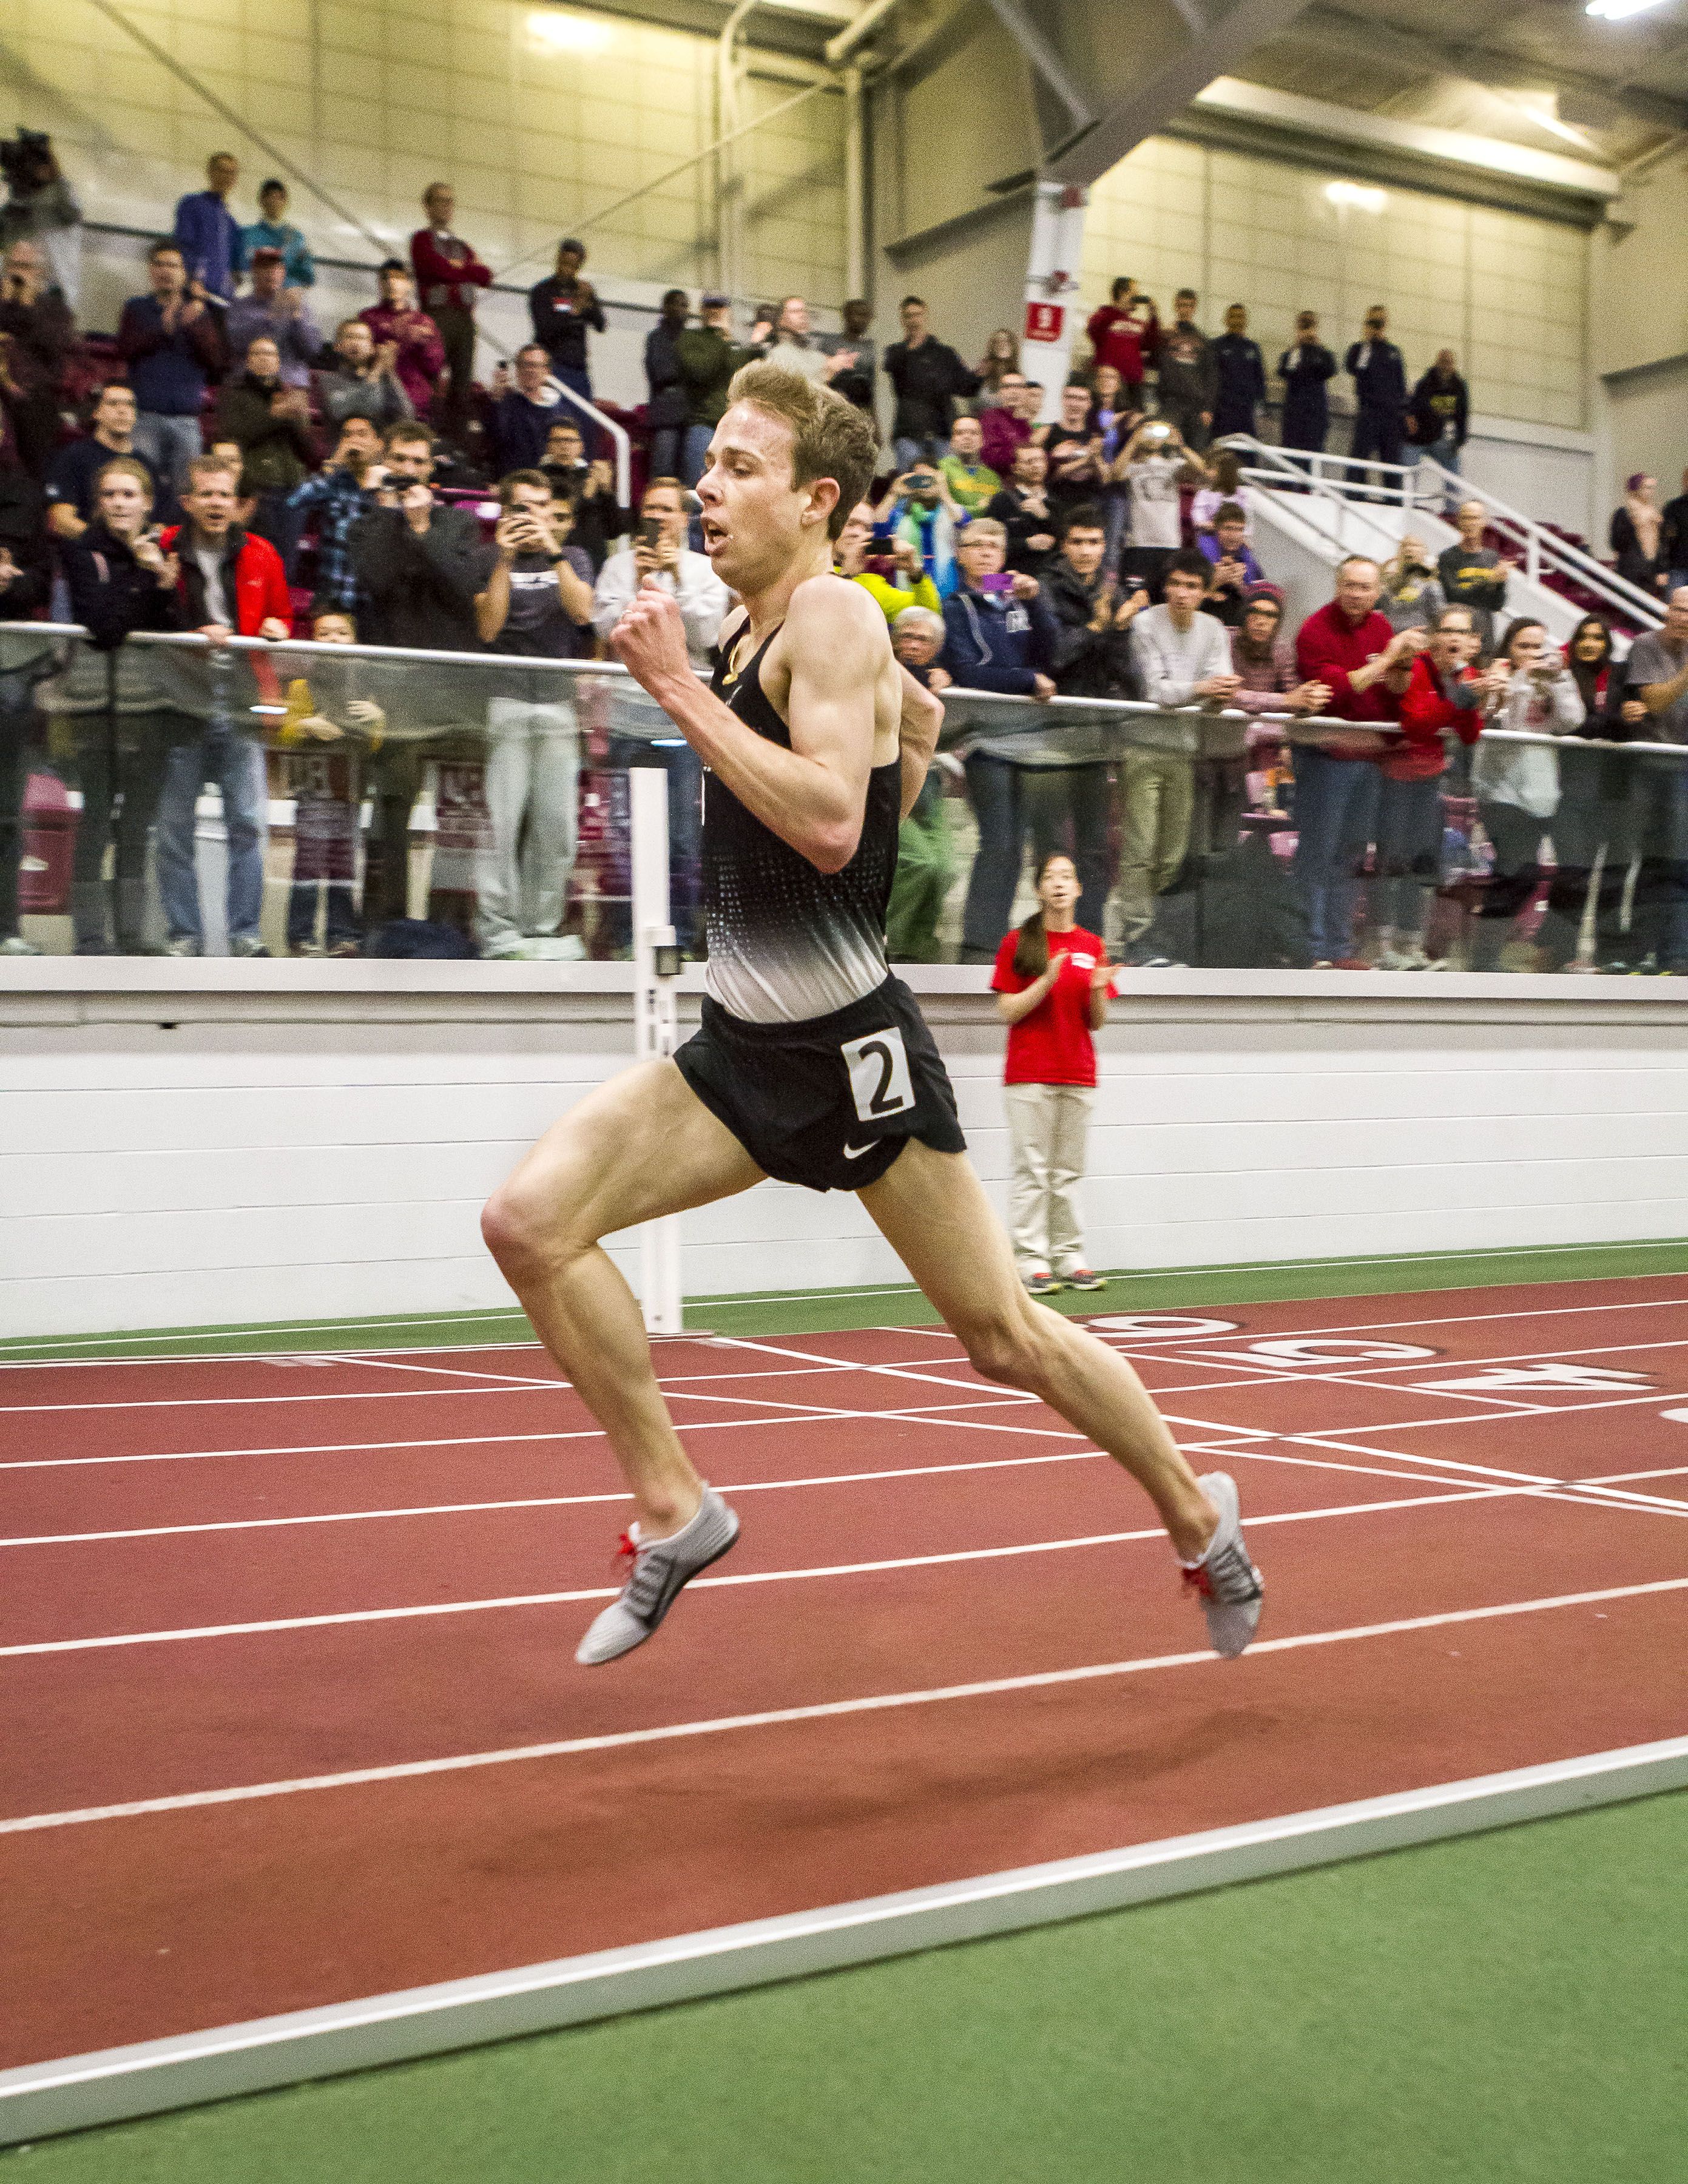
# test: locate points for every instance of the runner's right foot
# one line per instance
(659, 1570)
(1228, 1581)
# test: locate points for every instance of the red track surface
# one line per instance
(391, 1520)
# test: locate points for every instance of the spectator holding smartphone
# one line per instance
(1076, 471)
(1052, 982)
(120, 580)
(1154, 464)
(1528, 687)
(1234, 567)
(346, 489)
(640, 733)
(537, 605)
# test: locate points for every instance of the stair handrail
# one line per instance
(1540, 545)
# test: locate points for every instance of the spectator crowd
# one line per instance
(229, 465)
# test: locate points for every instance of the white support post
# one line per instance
(656, 961)
(1052, 288)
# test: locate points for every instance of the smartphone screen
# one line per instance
(1003, 582)
(650, 529)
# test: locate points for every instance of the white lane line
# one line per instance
(827, 1710)
(1592, 1492)
(1468, 1493)
(1462, 1318)
(742, 1486)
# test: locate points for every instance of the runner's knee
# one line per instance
(524, 1224)
(1006, 1346)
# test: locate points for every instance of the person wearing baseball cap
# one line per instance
(277, 311)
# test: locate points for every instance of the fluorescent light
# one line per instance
(568, 34)
(1617, 11)
(1356, 194)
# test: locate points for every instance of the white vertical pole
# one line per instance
(1052, 288)
(656, 969)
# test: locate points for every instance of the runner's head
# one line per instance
(788, 463)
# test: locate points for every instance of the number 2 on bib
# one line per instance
(879, 1080)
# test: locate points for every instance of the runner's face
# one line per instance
(754, 518)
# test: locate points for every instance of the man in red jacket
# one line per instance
(1350, 648)
(229, 583)
(1126, 333)
(447, 273)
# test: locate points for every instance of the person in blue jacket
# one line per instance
(1306, 367)
(1242, 376)
(1000, 636)
(1378, 371)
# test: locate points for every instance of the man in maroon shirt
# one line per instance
(447, 273)
(1349, 647)
(1126, 333)
(1007, 425)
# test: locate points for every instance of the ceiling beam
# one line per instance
(1333, 30)
(1224, 46)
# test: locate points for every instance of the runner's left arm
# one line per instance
(918, 727)
(814, 796)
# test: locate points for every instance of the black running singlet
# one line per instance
(787, 941)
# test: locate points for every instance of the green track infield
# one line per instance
(829, 1310)
(1503, 2009)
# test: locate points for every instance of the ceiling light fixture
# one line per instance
(1356, 194)
(1618, 11)
(568, 34)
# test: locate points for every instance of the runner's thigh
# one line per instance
(635, 1149)
(931, 1208)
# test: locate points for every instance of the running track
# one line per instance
(285, 1643)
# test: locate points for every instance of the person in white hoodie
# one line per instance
(1529, 688)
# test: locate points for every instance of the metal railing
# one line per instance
(1425, 487)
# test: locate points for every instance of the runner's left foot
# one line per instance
(1228, 1581)
(659, 1570)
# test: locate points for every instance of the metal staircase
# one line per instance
(1322, 507)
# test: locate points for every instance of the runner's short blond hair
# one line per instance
(830, 438)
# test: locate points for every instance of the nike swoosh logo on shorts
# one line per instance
(856, 1152)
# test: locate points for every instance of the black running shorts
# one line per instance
(830, 1102)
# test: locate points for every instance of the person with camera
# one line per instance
(344, 489)
(37, 334)
(640, 733)
(1154, 465)
(1528, 687)
(41, 208)
(120, 580)
(537, 605)
(893, 580)
(173, 346)
(918, 511)
(1235, 569)
(419, 566)
(589, 487)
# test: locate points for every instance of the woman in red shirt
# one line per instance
(1051, 983)
(1442, 692)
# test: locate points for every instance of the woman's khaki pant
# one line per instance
(1047, 1125)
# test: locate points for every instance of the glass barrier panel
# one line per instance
(322, 800)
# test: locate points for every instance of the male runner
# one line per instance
(813, 1063)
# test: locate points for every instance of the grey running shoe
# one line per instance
(1044, 1285)
(1228, 1581)
(653, 1583)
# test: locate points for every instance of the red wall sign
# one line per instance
(1044, 321)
